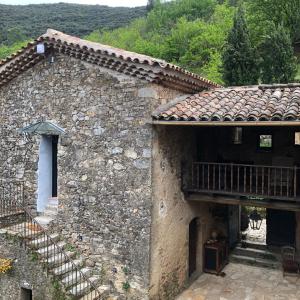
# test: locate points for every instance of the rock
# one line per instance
(147, 153)
(90, 263)
(116, 150)
(130, 153)
(147, 93)
(98, 130)
(141, 164)
(118, 167)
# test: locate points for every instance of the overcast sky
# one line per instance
(101, 2)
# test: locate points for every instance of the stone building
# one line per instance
(76, 125)
(116, 169)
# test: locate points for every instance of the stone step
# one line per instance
(93, 295)
(53, 201)
(256, 253)
(254, 245)
(11, 213)
(51, 249)
(41, 242)
(24, 230)
(51, 207)
(44, 221)
(58, 259)
(67, 267)
(252, 261)
(84, 287)
(76, 277)
(50, 213)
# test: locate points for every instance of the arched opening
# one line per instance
(193, 246)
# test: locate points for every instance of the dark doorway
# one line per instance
(54, 165)
(26, 294)
(193, 240)
(281, 227)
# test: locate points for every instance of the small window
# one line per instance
(297, 138)
(265, 141)
(26, 294)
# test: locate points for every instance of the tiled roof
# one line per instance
(141, 66)
(254, 103)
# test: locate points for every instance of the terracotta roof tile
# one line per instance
(254, 103)
(130, 63)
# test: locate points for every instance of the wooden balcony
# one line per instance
(248, 181)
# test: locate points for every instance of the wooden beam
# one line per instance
(282, 205)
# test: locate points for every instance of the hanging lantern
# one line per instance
(255, 220)
(237, 135)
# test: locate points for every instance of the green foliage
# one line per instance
(190, 33)
(20, 22)
(278, 61)
(196, 34)
(125, 270)
(297, 76)
(34, 256)
(70, 247)
(126, 286)
(240, 64)
(164, 16)
(151, 4)
(57, 291)
(5, 51)
(263, 14)
(204, 51)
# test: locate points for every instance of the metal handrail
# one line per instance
(30, 227)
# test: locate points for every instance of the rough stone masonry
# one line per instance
(104, 161)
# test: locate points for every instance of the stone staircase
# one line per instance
(62, 260)
(49, 214)
(255, 254)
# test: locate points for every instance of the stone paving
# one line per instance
(244, 282)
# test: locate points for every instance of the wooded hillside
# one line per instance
(21, 22)
(194, 34)
(199, 35)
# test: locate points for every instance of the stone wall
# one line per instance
(173, 149)
(104, 161)
(25, 273)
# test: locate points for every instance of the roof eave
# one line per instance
(226, 123)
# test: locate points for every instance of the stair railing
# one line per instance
(31, 232)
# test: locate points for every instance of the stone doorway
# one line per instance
(195, 250)
(47, 170)
(193, 239)
(281, 227)
(252, 248)
(250, 233)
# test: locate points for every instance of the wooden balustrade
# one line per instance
(272, 182)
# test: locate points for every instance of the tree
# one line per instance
(150, 5)
(263, 14)
(278, 61)
(240, 65)
(14, 35)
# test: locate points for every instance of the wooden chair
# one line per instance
(289, 264)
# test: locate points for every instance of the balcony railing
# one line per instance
(270, 182)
